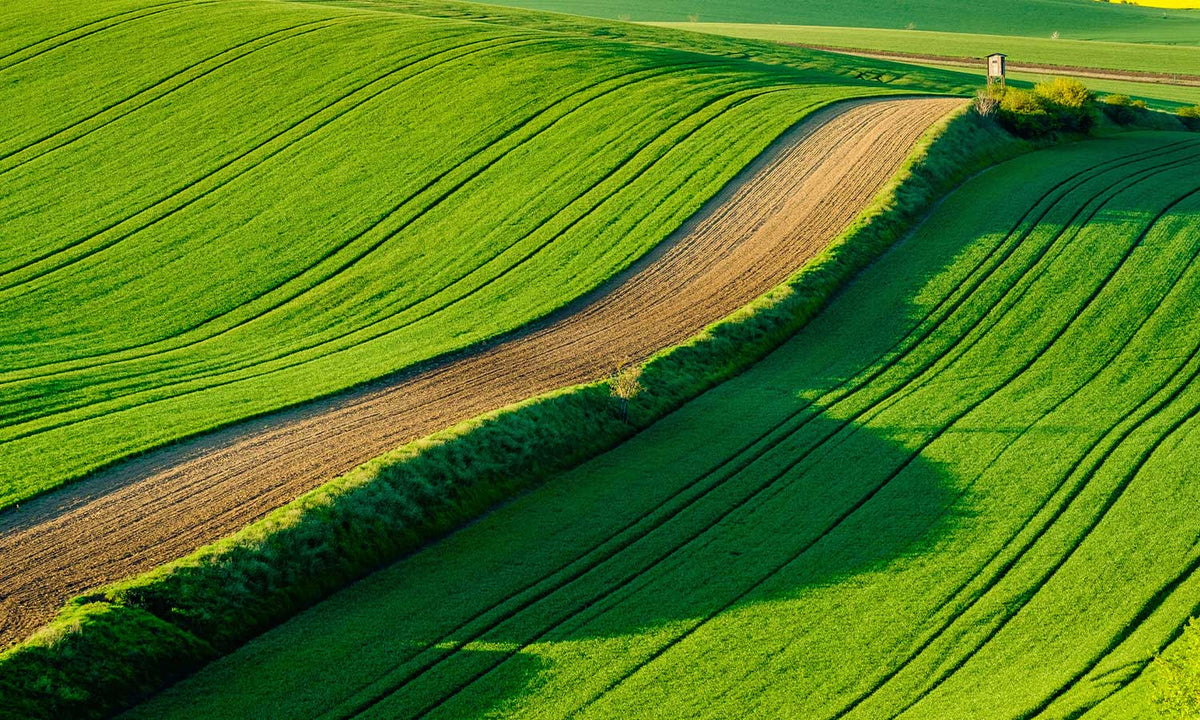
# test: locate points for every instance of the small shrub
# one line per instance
(1139, 104)
(625, 385)
(986, 103)
(1190, 116)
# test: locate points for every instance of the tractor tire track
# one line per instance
(457, 644)
(487, 43)
(626, 81)
(211, 380)
(130, 517)
(153, 10)
(148, 90)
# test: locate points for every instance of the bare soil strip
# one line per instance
(775, 216)
(968, 62)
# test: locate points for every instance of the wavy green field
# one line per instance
(300, 197)
(966, 489)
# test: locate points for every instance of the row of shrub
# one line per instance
(111, 648)
(1064, 105)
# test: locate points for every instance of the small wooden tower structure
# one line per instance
(996, 67)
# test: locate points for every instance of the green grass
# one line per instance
(1072, 19)
(1126, 56)
(301, 197)
(1169, 59)
(965, 489)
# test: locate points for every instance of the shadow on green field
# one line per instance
(596, 571)
(736, 546)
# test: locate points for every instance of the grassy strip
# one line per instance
(1141, 57)
(170, 621)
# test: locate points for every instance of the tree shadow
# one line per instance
(739, 533)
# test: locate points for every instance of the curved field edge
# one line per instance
(111, 648)
(80, 430)
(912, 503)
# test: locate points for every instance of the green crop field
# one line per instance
(967, 489)
(1071, 19)
(1119, 56)
(297, 197)
(1143, 57)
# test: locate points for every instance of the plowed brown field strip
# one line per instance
(778, 213)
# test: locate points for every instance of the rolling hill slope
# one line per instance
(299, 198)
(775, 217)
(966, 489)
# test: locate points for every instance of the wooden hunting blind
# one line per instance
(996, 67)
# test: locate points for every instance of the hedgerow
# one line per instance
(227, 592)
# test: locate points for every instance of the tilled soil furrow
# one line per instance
(778, 214)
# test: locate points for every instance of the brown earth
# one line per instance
(777, 214)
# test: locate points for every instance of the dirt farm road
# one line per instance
(776, 215)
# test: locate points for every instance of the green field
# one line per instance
(1169, 59)
(1127, 56)
(966, 489)
(1072, 19)
(300, 197)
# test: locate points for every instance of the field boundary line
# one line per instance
(205, 385)
(496, 42)
(373, 225)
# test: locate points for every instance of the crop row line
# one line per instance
(763, 487)
(317, 124)
(624, 82)
(248, 45)
(206, 383)
(120, 19)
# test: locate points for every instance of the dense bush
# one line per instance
(140, 635)
(1070, 102)
(1062, 105)
(1026, 114)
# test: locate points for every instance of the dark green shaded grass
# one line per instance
(229, 591)
(963, 489)
(302, 198)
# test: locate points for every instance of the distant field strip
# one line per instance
(1071, 19)
(1142, 57)
(779, 214)
(300, 198)
(967, 489)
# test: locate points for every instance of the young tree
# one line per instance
(625, 384)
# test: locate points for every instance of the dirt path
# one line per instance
(978, 63)
(773, 217)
